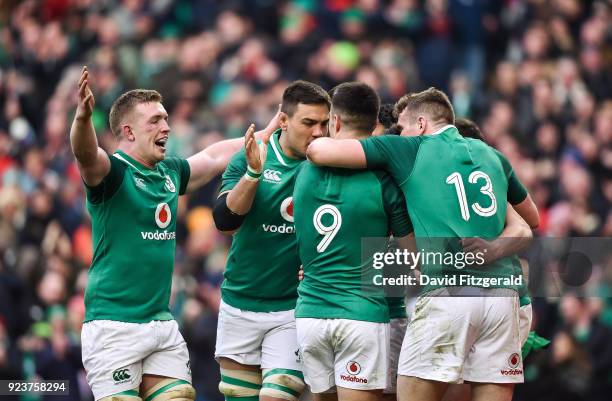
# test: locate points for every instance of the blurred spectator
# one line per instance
(586, 342)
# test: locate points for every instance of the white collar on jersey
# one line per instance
(276, 149)
(123, 159)
(441, 130)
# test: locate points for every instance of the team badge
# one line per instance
(169, 184)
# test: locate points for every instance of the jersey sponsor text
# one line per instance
(158, 236)
(282, 229)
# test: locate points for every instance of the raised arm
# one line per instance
(213, 160)
(92, 161)
(346, 153)
(233, 205)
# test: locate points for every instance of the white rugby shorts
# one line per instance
(117, 354)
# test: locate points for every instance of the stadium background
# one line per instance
(534, 74)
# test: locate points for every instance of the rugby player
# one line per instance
(515, 238)
(343, 331)
(455, 188)
(256, 339)
(132, 349)
(511, 241)
(509, 244)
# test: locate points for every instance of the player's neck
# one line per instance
(130, 151)
(436, 128)
(284, 144)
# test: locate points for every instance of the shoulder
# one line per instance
(173, 163)
(394, 140)
(116, 163)
(306, 171)
(391, 145)
(499, 156)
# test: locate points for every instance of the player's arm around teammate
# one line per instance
(348, 153)
(515, 238)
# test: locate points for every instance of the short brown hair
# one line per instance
(468, 129)
(357, 104)
(303, 92)
(126, 103)
(432, 102)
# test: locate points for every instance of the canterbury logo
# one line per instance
(121, 375)
(272, 175)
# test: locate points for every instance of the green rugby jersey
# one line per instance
(133, 214)
(397, 307)
(455, 187)
(334, 210)
(263, 263)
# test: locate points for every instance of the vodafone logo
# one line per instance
(286, 209)
(513, 360)
(353, 368)
(163, 215)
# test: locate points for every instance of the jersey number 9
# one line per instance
(330, 231)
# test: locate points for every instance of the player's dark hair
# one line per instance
(468, 129)
(303, 92)
(386, 115)
(432, 102)
(126, 103)
(395, 129)
(357, 104)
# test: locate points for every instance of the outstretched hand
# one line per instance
(255, 153)
(86, 98)
(272, 126)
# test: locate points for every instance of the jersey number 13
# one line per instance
(487, 189)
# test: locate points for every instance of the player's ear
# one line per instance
(337, 123)
(283, 120)
(127, 133)
(421, 124)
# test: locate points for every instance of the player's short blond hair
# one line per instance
(126, 103)
(432, 102)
